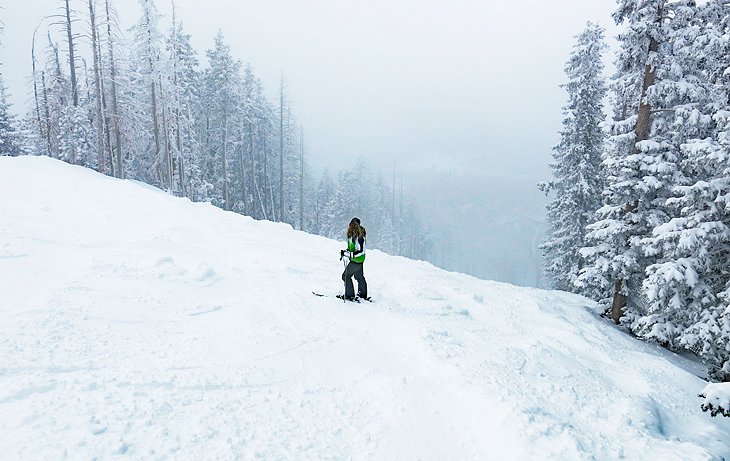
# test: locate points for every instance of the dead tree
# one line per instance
(115, 110)
(97, 87)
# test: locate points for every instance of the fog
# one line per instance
(461, 98)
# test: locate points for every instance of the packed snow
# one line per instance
(139, 325)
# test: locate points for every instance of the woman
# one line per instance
(356, 254)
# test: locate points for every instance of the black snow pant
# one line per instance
(354, 269)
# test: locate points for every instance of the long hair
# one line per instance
(355, 230)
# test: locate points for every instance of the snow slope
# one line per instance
(138, 325)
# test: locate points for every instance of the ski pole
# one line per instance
(344, 262)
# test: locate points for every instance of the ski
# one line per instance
(356, 299)
(352, 300)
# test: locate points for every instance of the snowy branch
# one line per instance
(717, 399)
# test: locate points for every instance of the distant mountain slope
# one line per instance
(135, 324)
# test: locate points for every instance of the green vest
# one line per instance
(352, 246)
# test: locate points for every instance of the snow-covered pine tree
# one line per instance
(222, 95)
(250, 202)
(304, 183)
(383, 228)
(577, 172)
(69, 115)
(323, 196)
(288, 157)
(185, 83)
(679, 283)
(8, 127)
(9, 136)
(713, 328)
(282, 135)
(341, 207)
(254, 153)
(141, 97)
(686, 286)
(55, 99)
(637, 162)
(416, 238)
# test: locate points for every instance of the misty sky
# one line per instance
(458, 83)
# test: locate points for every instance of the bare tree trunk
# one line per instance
(107, 129)
(115, 109)
(267, 178)
(167, 156)
(72, 59)
(37, 102)
(72, 68)
(178, 138)
(301, 179)
(47, 114)
(178, 141)
(226, 205)
(156, 132)
(392, 207)
(281, 151)
(619, 302)
(104, 109)
(643, 120)
(242, 172)
(400, 217)
(262, 205)
(180, 158)
(90, 114)
(97, 87)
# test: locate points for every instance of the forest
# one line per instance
(640, 198)
(138, 104)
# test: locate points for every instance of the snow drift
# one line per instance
(135, 324)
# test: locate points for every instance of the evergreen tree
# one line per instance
(222, 95)
(322, 199)
(255, 155)
(636, 164)
(675, 286)
(185, 86)
(382, 226)
(141, 95)
(577, 182)
(9, 136)
(686, 286)
(9, 142)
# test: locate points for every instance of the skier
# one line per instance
(356, 254)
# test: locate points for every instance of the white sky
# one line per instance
(458, 83)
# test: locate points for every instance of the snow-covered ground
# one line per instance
(138, 325)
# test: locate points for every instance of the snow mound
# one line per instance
(138, 325)
(717, 399)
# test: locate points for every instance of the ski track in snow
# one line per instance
(137, 325)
